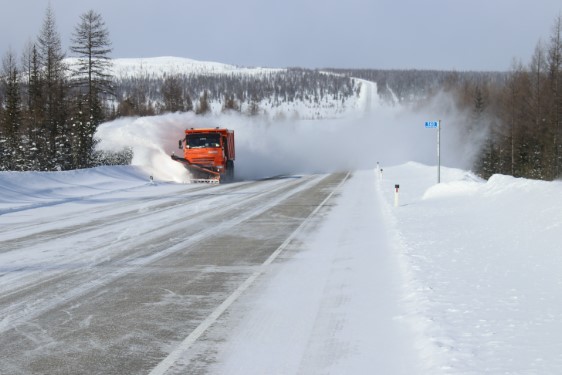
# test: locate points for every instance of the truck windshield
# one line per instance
(203, 140)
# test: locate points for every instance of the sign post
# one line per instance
(436, 125)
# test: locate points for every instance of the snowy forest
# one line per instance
(50, 109)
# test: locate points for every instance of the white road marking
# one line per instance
(169, 361)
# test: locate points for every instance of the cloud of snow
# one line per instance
(388, 134)
(152, 140)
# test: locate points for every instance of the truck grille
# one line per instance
(204, 161)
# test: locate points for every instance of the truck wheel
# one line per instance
(229, 176)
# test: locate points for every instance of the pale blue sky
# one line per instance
(386, 34)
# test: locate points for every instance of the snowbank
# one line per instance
(483, 262)
(22, 190)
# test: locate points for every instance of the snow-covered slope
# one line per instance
(306, 108)
(482, 266)
(166, 65)
(25, 190)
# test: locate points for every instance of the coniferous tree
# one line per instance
(514, 106)
(11, 121)
(487, 159)
(126, 108)
(3, 163)
(538, 134)
(172, 94)
(554, 61)
(92, 80)
(254, 107)
(138, 100)
(230, 104)
(53, 142)
(204, 105)
(35, 111)
(188, 102)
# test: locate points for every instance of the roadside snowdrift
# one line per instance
(23, 190)
(482, 261)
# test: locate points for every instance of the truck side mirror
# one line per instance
(180, 146)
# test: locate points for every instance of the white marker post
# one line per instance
(396, 188)
(439, 151)
(436, 125)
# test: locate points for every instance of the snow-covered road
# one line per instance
(334, 306)
(101, 275)
(103, 272)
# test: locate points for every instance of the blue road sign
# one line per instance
(432, 124)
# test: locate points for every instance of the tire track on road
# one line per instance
(37, 298)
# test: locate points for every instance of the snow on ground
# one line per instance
(39, 202)
(335, 307)
(25, 190)
(165, 65)
(159, 67)
(460, 278)
(482, 260)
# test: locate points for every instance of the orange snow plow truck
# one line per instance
(208, 154)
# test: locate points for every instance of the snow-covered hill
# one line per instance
(311, 102)
(168, 65)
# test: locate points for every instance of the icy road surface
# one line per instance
(133, 278)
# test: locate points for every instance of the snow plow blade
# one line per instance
(200, 174)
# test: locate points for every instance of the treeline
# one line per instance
(149, 94)
(408, 86)
(517, 114)
(520, 116)
(49, 112)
